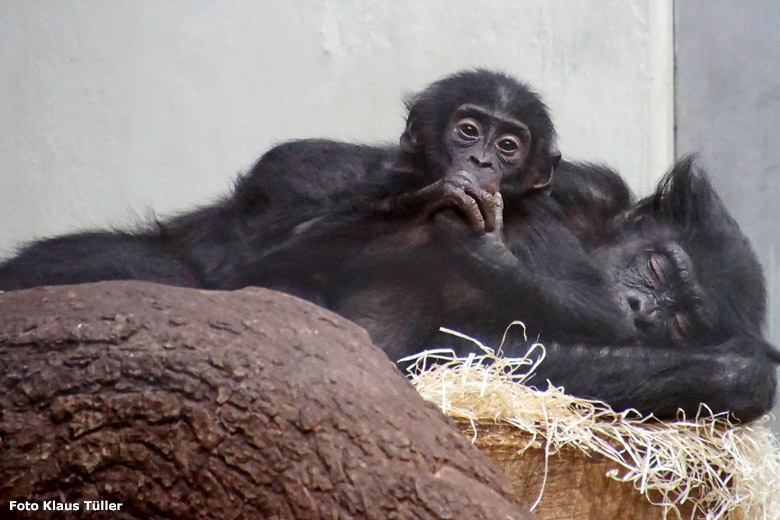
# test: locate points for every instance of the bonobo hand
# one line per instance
(460, 190)
(488, 248)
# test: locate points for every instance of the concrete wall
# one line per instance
(112, 109)
(728, 109)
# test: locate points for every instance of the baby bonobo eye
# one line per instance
(508, 144)
(468, 129)
(659, 267)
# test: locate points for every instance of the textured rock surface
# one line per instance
(181, 403)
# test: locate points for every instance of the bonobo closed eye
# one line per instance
(666, 304)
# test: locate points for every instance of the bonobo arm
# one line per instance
(331, 257)
(310, 261)
(555, 289)
(95, 256)
(736, 376)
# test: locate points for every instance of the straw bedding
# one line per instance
(722, 468)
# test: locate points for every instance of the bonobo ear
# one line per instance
(543, 173)
(409, 139)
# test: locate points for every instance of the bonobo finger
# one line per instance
(498, 202)
(472, 210)
(463, 179)
(493, 209)
(455, 198)
(461, 191)
(487, 205)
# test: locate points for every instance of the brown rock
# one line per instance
(180, 403)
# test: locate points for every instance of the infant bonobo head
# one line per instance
(687, 274)
(486, 125)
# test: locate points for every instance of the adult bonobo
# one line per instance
(697, 295)
(466, 137)
(687, 277)
(675, 265)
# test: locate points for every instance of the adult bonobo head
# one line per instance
(485, 124)
(688, 274)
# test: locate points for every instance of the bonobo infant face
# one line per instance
(485, 125)
(488, 143)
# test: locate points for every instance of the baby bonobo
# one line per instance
(476, 134)
(467, 136)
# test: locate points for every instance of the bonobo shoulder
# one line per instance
(590, 184)
(310, 174)
(590, 197)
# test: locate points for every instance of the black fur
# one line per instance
(403, 280)
(379, 235)
(699, 319)
(224, 245)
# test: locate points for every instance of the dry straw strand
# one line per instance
(719, 466)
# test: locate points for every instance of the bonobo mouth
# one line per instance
(490, 181)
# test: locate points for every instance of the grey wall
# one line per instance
(110, 109)
(728, 108)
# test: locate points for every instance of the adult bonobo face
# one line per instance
(688, 275)
(486, 127)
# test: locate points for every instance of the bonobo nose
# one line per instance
(482, 162)
(644, 308)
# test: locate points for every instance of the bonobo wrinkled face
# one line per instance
(487, 125)
(655, 280)
(683, 269)
(491, 144)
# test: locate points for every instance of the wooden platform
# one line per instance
(577, 487)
